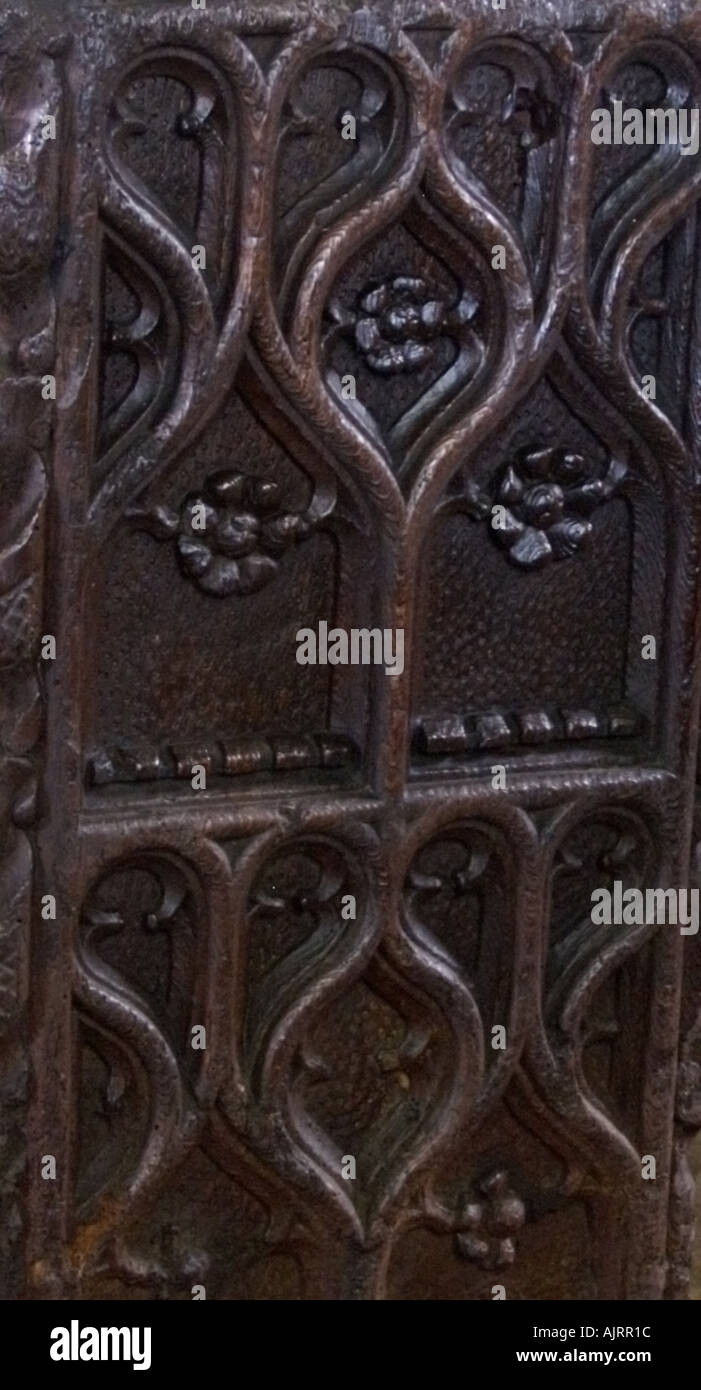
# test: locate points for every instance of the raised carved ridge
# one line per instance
(220, 758)
(494, 729)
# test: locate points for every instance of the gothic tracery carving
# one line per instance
(422, 329)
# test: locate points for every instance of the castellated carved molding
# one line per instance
(314, 314)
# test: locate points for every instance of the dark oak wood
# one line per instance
(497, 291)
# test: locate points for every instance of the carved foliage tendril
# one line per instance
(140, 344)
(595, 969)
(341, 84)
(503, 128)
(134, 975)
(184, 103)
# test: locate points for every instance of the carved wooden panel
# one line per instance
(300, 987)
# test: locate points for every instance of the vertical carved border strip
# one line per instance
(29, 217)
(58, 867)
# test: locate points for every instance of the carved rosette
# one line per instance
(541, 505)
(230, 536)
(486, 1223)
(400, 320)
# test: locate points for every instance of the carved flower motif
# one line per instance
(231, 533)
(229, 536)
(402, 319)
(488, 1227)
(547, 497)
